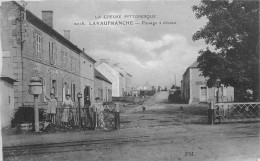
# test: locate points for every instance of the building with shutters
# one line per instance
(36, 48)
(195, 90)
(103, 87)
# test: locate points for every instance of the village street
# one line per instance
(161, 132)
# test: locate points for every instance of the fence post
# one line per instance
(79, 114)
(36, 114)
(117, 116)
(95, 119)
(211, 113)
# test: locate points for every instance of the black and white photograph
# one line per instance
(130, 80)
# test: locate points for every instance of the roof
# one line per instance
(98, 75)
(8, 79)
(129, 74)
(30, 17)
(122, 73)
(194, 65)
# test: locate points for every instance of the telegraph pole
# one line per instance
(175, 79)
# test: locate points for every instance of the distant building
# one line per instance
(135, 92)
(115, 77)
(140, 88)
(103, 87)
(147, 86)
(195, 90)
(126, 80)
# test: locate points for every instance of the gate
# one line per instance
(232, 112)
(82, 117)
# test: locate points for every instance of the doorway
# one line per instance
(86, 94)
(203, 94)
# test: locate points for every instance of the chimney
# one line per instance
(47, 17)
(67, 34)
(104, 61)
(83, 49)
(115, 64)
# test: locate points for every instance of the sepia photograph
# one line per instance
(130, 80)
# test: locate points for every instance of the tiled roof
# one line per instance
(100, 76)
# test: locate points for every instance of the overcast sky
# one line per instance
(147, 52)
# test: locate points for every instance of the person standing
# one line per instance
(67, 104)
(99, 109)
(51, 108)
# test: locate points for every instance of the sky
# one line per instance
(149, 52)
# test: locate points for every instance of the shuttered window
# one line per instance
(44, 89)
(52, 53)
(38, 46)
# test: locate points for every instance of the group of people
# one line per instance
(93, 113)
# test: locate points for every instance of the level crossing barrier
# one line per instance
(233, 112)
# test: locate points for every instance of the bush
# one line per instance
(176, 97)
(25, 115)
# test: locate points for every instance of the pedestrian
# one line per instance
(99, 109)
(67, 104)
(51, 108)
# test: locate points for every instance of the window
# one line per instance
(44, 89)
(64, 58)
(52, 53)
(66, 90)
(73, 92)
(38, 46)
(54, 87)
(72, 63)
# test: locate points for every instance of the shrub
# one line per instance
(25, 114)
(176, 97)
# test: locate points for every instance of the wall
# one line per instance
(66, 69)
(98, 88)
(113, 76)
(128, 83)
(102, 88)
(87, 77)
(108, 88)
(6, 102)
(186, 85)
(198, 81)
(12, 65)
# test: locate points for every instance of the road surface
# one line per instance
(162, 132)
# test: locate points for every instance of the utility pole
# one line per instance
(175, 79)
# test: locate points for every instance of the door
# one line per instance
(86, 95)
(203, 94)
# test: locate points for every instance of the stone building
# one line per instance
(195, 90)
(113, 76)
(7, 99)
(126, 80)
(103, 87)
(36, 48)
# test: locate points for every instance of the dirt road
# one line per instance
(161, 132)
